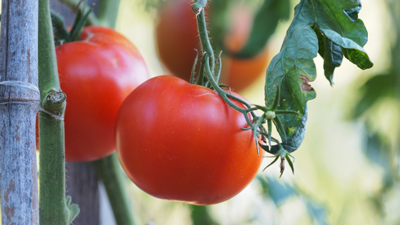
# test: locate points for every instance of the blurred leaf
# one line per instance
(293, 68)
(316, 211)
(200, 215)
(277, 191)
(152, 4)
(378, 152)
(264, 25)
(375, 89)
(280, 192)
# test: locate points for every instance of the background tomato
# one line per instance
(177, 37)
(182, 142)
(96, 74)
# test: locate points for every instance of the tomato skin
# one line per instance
(177, 37)
(182, 142)
(96, 74)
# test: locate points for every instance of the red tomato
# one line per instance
(182, 142)
(96, 74)
(177, 37)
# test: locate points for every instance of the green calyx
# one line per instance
(61, 33)
(283, 155)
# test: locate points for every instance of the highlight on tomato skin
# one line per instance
(182, 142)
(177, 37)
(96, 73)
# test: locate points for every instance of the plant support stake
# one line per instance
(19, 98)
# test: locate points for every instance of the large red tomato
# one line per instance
(182, 142)
(177, 37)
(96, 73)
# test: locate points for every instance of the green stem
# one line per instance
(53, 208)
(107, 12)
(109, 171)
(202, 29)
(73, 5)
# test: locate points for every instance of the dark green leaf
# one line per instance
(333, 57)
(60, 31)
(298, 131)
(264, 25)
(293, 68)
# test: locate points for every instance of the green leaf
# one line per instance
(325, 26)
(264, 25)
(333, 57)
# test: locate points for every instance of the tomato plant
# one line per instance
(96, 73)
(182, 142)
(177, 37)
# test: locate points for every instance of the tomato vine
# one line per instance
(287, 87)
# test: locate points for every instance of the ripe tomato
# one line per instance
(177, 37)
(96, 73)
(182, 142)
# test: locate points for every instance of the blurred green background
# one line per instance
(335, 181)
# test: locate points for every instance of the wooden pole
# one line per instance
(19, 100)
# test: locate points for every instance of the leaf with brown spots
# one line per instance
(328, 27)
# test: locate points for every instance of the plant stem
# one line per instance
(202, 29)
(73, 5)
(53, 208)
(108, 169)
(107, 11)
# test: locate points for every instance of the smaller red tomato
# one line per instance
(182, 142)
(96, 73)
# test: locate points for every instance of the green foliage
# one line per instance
(200, 216)
(326, 26)
(280, 192)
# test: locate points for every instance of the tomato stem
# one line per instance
(53, 207)
(75, 7)
(198, 8)
(109, 171)
(194, 67)
(212, 78)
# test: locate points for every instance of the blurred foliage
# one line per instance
(382, 91)
(280, 192)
